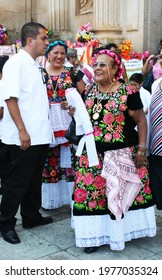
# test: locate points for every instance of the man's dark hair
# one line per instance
(111, 45)
(137, 77)
(96, 50)
(30, 29)
(3, 60)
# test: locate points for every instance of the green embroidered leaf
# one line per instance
(79, 206)
(105, 112)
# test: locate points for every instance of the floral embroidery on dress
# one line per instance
(56, 85)
(52, 172)
(89, 189)
(109, 126)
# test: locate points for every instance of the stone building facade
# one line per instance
(111, 20)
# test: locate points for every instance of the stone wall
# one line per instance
(111, 20)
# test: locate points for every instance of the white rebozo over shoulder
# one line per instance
(83, 126)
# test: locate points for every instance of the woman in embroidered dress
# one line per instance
(101, 203)
(58, 173)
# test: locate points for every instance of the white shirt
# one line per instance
(145, 98)
(22, 79)
(1, 105)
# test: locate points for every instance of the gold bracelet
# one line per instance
(141, 153)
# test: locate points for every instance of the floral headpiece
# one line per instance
(116, 59)
(3, 35)
(56, 43)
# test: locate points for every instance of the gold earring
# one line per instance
(114, 80)
(48, 59)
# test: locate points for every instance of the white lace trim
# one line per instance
(60, 119)
(65, 157)
(55, 195)
(101, 230)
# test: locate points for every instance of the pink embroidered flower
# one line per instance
(83, 161)
(139, 198)
(45, 173)
(78, 177)
(130, 89)
(99, 166)
(101, 202)
(116, 135)
(88, 179)
(147, 188)
(97, 131)
(70, 172)
(102, 192)
(108, 118)
(89, 103)
(123, 98)
(111, 104)
(92, 204)
(95, 194)
(142, 172)
(119, 128)
(108, 137)
(80, 195)
(110, 127)
(99, 182)
(122, 107)
(53, 180)
(120, 118)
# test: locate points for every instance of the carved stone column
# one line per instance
(58, 14)
(106, 19)
(28, 10)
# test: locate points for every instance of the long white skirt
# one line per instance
(55, 195)
(101, 230)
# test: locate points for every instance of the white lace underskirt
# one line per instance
(55, 195)
(101, 230)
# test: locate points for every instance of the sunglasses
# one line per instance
(101, 64)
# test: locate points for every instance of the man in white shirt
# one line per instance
(26, 132)
(4, 160)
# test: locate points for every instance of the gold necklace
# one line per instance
(54, 90)
(98, 107)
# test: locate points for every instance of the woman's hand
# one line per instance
(71, 111)
(70, 108)
(140, 159)
(64, 105)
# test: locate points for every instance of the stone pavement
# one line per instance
(56, 242)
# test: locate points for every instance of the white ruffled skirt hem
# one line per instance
(55, 195)
(101, 230)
